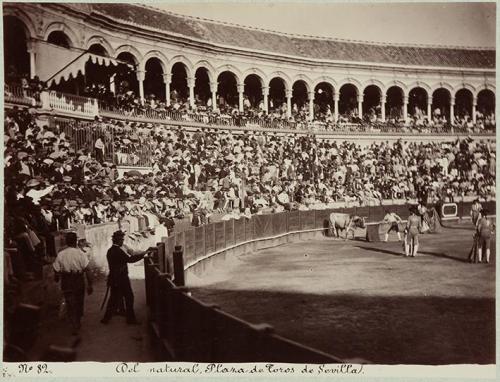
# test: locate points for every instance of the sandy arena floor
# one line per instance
(357, 299)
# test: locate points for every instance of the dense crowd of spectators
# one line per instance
(217, 170)
(50, 184)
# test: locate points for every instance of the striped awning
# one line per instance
(55, 63)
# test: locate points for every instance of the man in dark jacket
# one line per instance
(118, 281)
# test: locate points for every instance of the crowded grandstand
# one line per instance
(100, 127)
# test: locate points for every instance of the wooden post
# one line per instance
(147, 279)
(259, 348)
(178, 266)
(162, 311)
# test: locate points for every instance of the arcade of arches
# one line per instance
(153, 80)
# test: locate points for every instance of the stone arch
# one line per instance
(188, 65)
(373, 96)
(351, 81)
(441, 100)
(99, 40)
(420, 84)
(61, 27)
(208, 66)
(464, 98)
(203, 73)
(154, 70)
(129, 49)
(399, 84)
(418, 100)
(155, 54)
(23, 17)
(443, 85)
(485, 86)
(485, 100)
(326, 79)
(229, 68)
(305, 79)
(283, 76)
(465, 85)
(374, 82)
(257, 72)
(299, 99)
(16, 49)
(324, 95)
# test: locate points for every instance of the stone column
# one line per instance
(383, 100)
(32, 52)
(141, 75)
(190, 82)
(265, 94)
(474, 106)
(241, 91)
(429, 108)
(288, 95)
(405, 108)
(213, 89)
(336, 98)
(452, 110)
(311, 105)
(167, 79)
(360, 106)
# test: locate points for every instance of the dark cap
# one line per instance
(118, 233)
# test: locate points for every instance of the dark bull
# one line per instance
(339, 221)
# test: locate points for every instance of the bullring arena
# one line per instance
(221, 159)
(361, 300)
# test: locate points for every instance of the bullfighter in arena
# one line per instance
(413, 228)
(483, 237)
(393, 219)
(475, 211)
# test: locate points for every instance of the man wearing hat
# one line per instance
(70, 266)
(118, 280)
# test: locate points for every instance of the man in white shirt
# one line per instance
(393, 219)
(70, 266)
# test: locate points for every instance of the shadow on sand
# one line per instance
(380, 329)
(400, 254)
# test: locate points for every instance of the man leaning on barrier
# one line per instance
(118, 281)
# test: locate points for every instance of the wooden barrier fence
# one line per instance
(190, 330)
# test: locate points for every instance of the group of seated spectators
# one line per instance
(226, 114)
(50, 183)
(20, 85)
(126, 102)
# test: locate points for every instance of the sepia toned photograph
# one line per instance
(231, 183)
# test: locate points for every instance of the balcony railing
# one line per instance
(21, 96)
(70, 104)
(88, 108)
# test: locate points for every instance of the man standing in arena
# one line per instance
(118, 281)
(475, 211)
(70, 266)
(393, 220)
(483, 237)
(412, 230)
